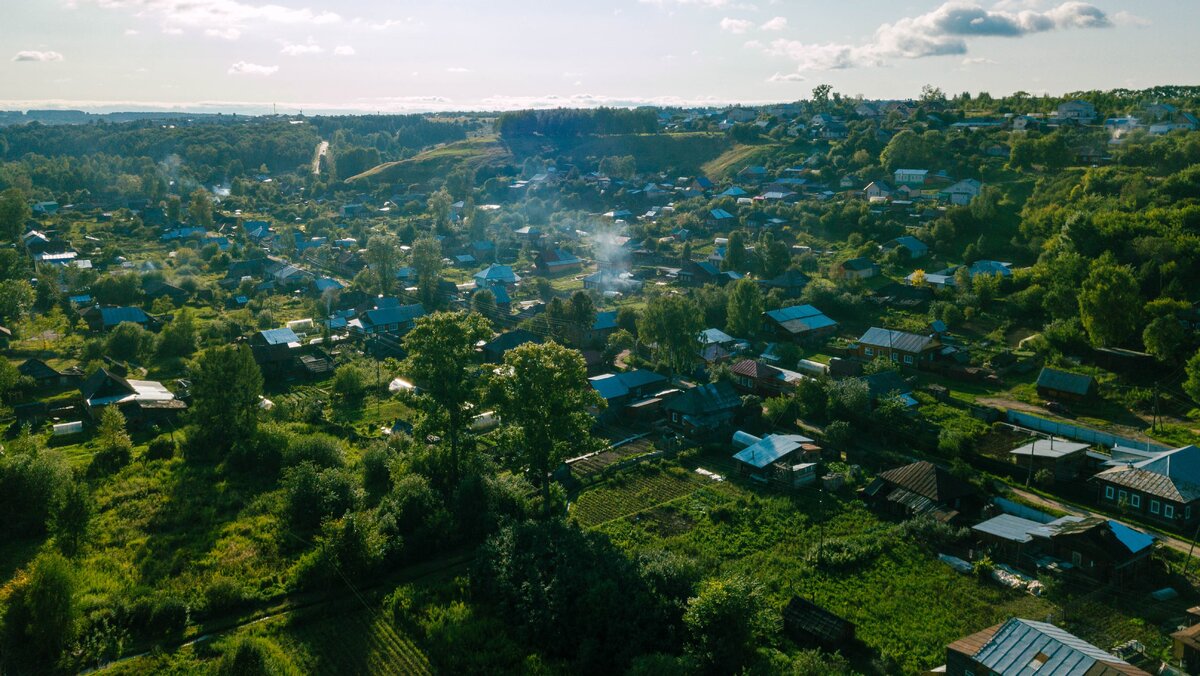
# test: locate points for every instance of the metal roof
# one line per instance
(1050, 448)
(1024, 646)
(1065, 381)
(111, 316)
(1008, 527)
(1174, 475)
(770, 448)
(898, 340)
(279, 336)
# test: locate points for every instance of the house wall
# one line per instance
(910, 359)
(1147, 507)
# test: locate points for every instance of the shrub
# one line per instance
(169, 617)
(321, 450)
(162, 448)
(255, 656)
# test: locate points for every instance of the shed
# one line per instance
(1056, 384)
(806, 622)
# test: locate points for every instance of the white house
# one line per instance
(1077, 111)
(912, 177)
(963, 192)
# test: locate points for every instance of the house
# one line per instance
(914, 178)
(705, 409)
(1098, 548)
(494, 349)
(610, 280)
(603, 326)
(904, 348)
(878, 190)
(159, 289)
(557, 261)
(627, 387)
(1164, 488)
(273, 349)
(791, 283)
(1021, 647)
(389, 321)
(1076, 111)
(734, 192)
(800, 323)
(1055, 384)
(986, 267)
(1064, 459)
(44, 375)
(921, 488)
(701, 184)
(858, 268)
(910, 247)
(754, 174)
(806, 623)
(886, 383)
(719, 218)
(755, 377)
(780, 458)
(699, 273)
(496, 274)
(107, 318)
(139, 400)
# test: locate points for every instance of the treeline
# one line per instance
(389, 133)
(567, 123)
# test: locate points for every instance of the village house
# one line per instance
(788, 459)
(909, 246)
(625, 388)
(552, 262)
(1063, 385)
(791, 282)
(858, 268)
(963, 192)
(910, 177)
(1064, 459)
(754, 377)
(44, 375)
(1020, 647)
(808, 624)
(800, 323)
(704, 410)
(141, 401)
(907, 349)
(274, 350)
(496, 274)
(493, 350)
(1077, 111)
(1091, 547)
(388, 320)
(878, 190)
(921, 488)
(1164, 488)
(109, 317)
(718, 219)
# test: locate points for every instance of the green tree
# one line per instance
(129, 341)
(483, 302)
(427, 263)
(200, 208)
(42, 616)
(16, 297)
(745, 308)
(1164, 337)
(178, 337)
(226, 388)
(439, 208)
(673, 324)
(582, 313)
(1109, 305)
(441, 357)
(1191, 384)
(544, 399)
(727, 622)
(14, 211)
(735, 252)
(72, 518)
(383, 258)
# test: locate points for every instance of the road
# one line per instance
(322, 149)
(1182, 546)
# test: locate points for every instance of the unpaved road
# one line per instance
(322, 150)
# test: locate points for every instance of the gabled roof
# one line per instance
(497, 273)
(884, 383)
(706, 400)
(770, 449)
(605, 320)
(929, 481)
(719, 214)
(515, 338)
(1173, 475)
(711, 336)
(789, 279)
(1065, 381)
(614, 385)
(860, 263)
(755, 369)
(111, 316)
(1025, 646)
(1050, 448)
(399, 314)
(899, 340)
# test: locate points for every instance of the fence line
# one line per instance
(1079, 433)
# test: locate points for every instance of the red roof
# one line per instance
(755, 369)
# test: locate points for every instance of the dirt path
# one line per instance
(322, 149)
(1179, 545)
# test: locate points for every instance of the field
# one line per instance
(829, 547)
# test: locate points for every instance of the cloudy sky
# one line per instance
(393, 55)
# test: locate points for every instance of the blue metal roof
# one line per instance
(769, 449)
(1020, 644)
(794, 312)
(280, 336)
(605, 321)
(394, 315)
(710, 336)
(1134, 540)
(111, 316)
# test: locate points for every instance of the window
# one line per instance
(895, 357)
(868, 351)
(1187, 512)
(1169, 511)
(1077, 559)
(1108, 492)
(1155, 507)
(908, 359)
(1135, 500)
(1122, 495)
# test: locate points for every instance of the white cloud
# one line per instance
(299, 49)
(736, 26)
(458, 69)
(229, 33)
(344, 50)
(132, 31)
(944, 31)
(787, 77)
(777, 24)
(222, 17)
(698, 3)
(34, 55)
(1124, 18)
(406, 24)
(245, 68)
(977, 61)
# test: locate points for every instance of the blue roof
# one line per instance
(279, 336)
(720, 214)
(1134, 540)
(769, 449)
(614, 385)
(794, 312)
(394, 315)
(734, 192)
(710, 336)
(111, 316)
(990, 268)
(605, 321)
(497, 273)
(327, 283)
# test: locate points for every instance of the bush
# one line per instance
(254, 656)
(169, 617)
(321, 450)
(109, 460)
(162, 448)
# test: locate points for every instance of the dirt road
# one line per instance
(322, 149)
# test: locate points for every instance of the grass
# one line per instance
(734, 159)
(632, 492)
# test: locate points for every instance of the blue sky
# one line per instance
(368, 55)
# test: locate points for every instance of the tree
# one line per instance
(582, 313)
(226, 388)
(439, 208)
(673, 324)
(427, 263)
(483, 302)
(383, 258)
(16, 297)
(129, 341)
(1164, 337)
(544, 399)
(1109, 303)
(14, 211)
(735, 252)
(1192, 384)
(42, 617)
(72, 518)
(178, 337)
(745, 308)
(441, 355)
(116, 448)
(200, 208)
(727, 622)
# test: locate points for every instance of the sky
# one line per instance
(397, 55)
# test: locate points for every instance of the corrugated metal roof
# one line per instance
(111, 316)
(279, 336)
(1174, 475)
(898, 340)
(1024, 646)
(928, 480)
(1065, 381)
(1009, 527)
(769, 449)
(1050, 448)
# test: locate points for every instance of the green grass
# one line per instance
(632, 492)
